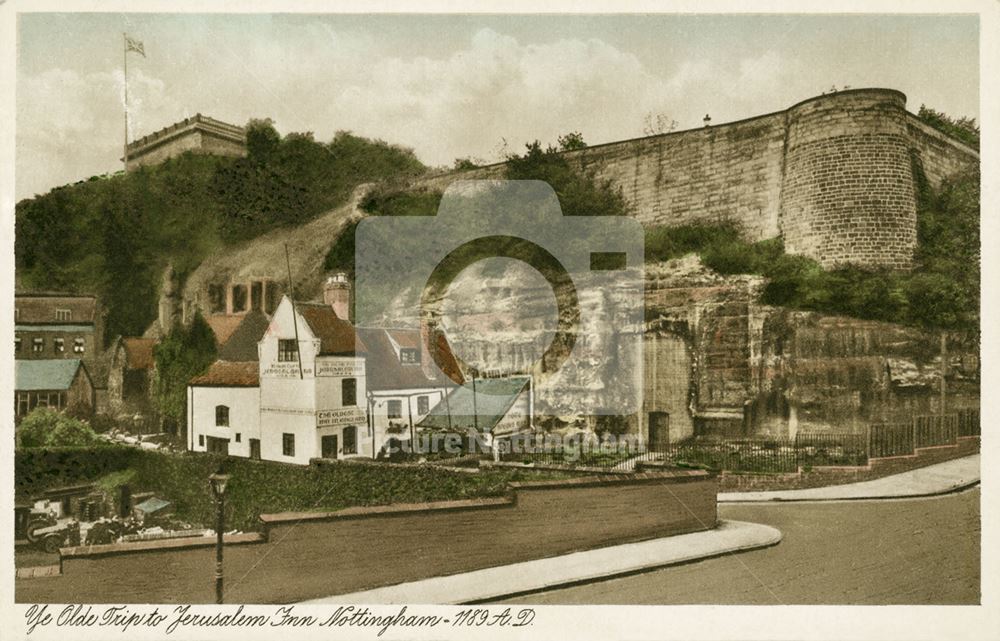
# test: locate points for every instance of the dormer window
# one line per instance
(63, 314)
(409, 355)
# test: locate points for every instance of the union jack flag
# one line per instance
(131, 44)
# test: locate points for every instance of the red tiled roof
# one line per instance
(41, 308)
(336, 336)
(229, 374)
(223, 326)
(139, 352)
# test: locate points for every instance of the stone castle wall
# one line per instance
(197, 134)
(832, 175)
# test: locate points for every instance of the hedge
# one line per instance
(256, 487)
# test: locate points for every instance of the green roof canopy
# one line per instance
(51, 374)
(493, 398)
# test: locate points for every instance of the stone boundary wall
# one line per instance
(310, 555)
(833, 175)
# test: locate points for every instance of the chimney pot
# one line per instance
(337, 294)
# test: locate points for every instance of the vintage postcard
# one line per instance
(348, 321)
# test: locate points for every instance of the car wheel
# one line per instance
(52, 543)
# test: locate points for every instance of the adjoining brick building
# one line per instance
(198, 134)
(52, 325)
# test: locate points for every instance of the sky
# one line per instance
(451, 86)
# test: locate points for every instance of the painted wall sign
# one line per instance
(286, 370)
(339, 417)
(340, 368)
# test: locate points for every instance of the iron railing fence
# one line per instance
(767, 454)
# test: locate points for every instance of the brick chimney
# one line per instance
(337, 294)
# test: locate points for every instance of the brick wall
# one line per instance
(833, 175)
(309, 555)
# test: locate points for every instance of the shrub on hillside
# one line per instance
(45, 427)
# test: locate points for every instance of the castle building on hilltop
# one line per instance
(198, 134)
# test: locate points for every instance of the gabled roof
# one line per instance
(493, 399)
(242, 344)
(139, 352)
(384, 371)
(40, 308)
(53, 374)
(223, 326)
(337, 337)
(229, 374)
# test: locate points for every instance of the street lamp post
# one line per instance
(218, 482)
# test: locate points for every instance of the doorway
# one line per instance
(328, 446)
(217, 445)
(255, 449)
(659, 429)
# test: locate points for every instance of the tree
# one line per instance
(45, 427)
(572, 140)
(262, 139)
(964, 128)
(580, 193)
(183, 354)
(656, 124)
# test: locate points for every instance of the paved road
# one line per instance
(919, 551)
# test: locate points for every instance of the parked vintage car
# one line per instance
(53, 537)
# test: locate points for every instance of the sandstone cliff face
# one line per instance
(756, 370)
(714, 361)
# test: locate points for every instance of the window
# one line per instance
(409, 355)
(217, 299)
(78, 345)
(394, 409)
(349, 392)
(237, 437)
(201, 440)
(239, 298)
(17, 345)
(63, 315)
(59, 345)
(38, 344)
(270, 297)
(221, 416)
(288, 444)
(256, 295)
(22, 403)
(351, 440)
(287, 350)
(423, 405)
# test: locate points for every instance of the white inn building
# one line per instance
(306, 385)
(304, 398)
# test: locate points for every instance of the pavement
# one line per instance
(579, 567)
(940, 478)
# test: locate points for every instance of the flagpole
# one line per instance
(125, 72)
